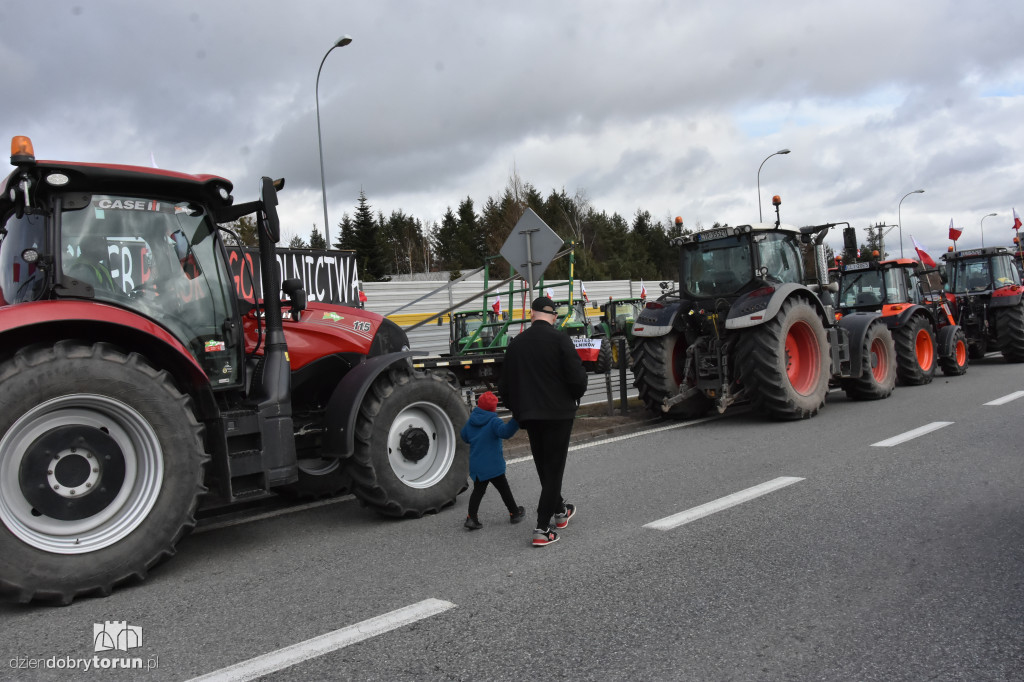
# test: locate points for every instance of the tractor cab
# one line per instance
(980, 271)
(478, 331)
(873, 285)
(572, 318)
(620, 314)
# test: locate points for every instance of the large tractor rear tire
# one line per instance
(1010, 332)
(658, 364)
(955, 362)
(879, 377)
(784, 363)
(409, 459)
(101, 469)
(604, 357)
(915, 352)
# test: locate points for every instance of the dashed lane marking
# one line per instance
(910, 435)
(257, 667)
(676, 520)
(1006, 398)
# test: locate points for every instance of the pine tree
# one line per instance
(316, 240)
(297, 242)
(366, 241)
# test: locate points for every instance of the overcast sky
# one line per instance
(669, 106)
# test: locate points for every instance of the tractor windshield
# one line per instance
(779, 254)
(162, 259)
(716, 268)
(862, 288)
(974, 275)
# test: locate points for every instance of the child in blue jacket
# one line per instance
(484, 432)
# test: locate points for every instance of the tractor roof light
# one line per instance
(21, 151)
(776, 200)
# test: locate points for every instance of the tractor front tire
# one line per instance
(879, 376)
(955, 363)
(915, 352)
(1010, 332)
(658, 364)
(101, 469)
(409, 459)
(784, 363)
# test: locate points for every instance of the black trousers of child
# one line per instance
(480, 487)
(549, 441)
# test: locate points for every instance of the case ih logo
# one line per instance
(116, 635)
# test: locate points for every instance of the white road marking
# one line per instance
(1006, 398)
(670, 522)
(332, 641)
(910, 435)
(216, 525)
(616, 439)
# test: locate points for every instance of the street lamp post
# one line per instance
(983, 227)
(340, 42)
(781, 151)
(899, 216)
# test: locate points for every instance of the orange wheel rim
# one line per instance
(880, 361)
(802, 358)
(925, 349)
(960, 353)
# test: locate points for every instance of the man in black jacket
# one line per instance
(542, 381)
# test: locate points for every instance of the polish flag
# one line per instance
(583, 290)
(362, 296)
(550, 294)
(954, 233)
(1016, 220)
(643, 290)
(926, 260)
(496, 306)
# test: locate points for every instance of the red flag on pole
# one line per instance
(496, 306)
(643, 290)
(926, 260)
(583, 291)
(1016, 220)
(954, 233)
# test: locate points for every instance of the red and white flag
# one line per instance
(362, 296)
(954, 233)
(1016, 220)
(496, 306)
(583, 291)
(550, 294)
(643, 290)
(926, 260)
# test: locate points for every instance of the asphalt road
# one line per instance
(901, 562)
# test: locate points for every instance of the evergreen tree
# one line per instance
(346, 234)
(245, 229)
(297, 242)
(366, 242)
(316, 240)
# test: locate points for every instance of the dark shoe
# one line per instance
(562, 520)
(472, 523)
(543, 538)
(517, 515)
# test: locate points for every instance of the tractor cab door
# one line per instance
(162, 259)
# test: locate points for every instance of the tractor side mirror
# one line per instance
(269, 222)
(296, 295)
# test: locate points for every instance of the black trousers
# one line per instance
(549, 441)
(480, 487)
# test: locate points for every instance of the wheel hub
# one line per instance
(72, 472)
(414, 444)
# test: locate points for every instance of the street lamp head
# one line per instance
(782, 151)
(343, 41)
(918, 191)
(991, 215)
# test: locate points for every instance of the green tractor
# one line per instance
(592, 344)
(617, 317)
(478, 331)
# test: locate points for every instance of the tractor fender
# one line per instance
(52, 321)
(856, 326)
(897, 315)
(763, 304)
(1006, 297)
(946, 339)
(657, 319)
(342, 411)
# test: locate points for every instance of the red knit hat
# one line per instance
(488, 401)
